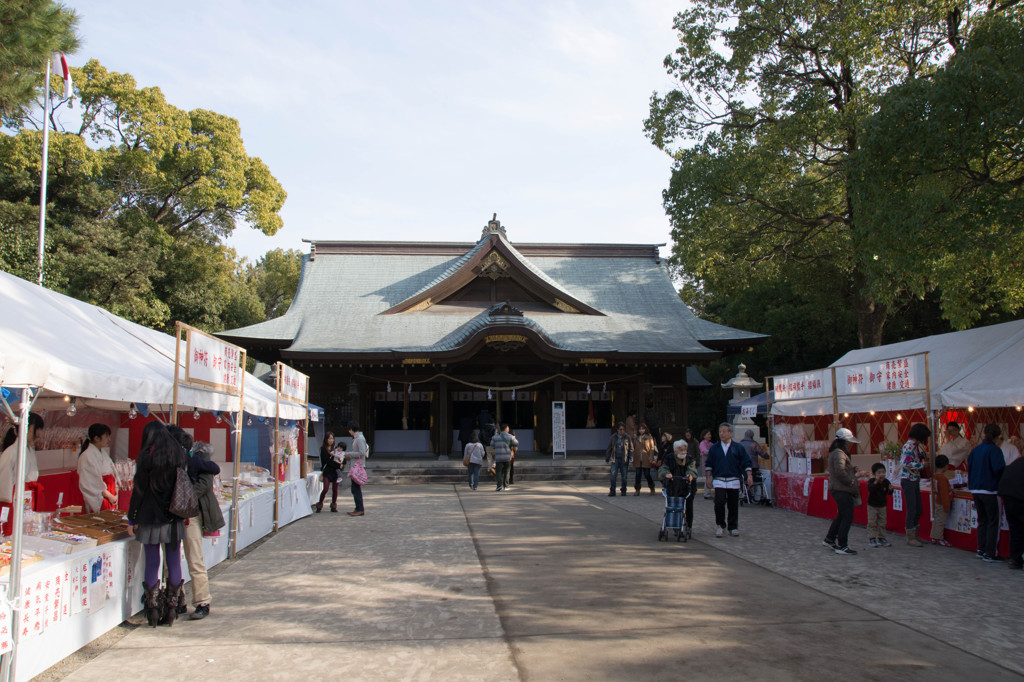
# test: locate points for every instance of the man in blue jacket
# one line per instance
(727, 461)
(985, 467)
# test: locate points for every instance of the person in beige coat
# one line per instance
(648, 449)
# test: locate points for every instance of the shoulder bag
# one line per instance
(184, 503)
(357, 472)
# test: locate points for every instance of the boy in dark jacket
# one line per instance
(879, 489)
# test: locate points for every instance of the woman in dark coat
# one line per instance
(331, 473)
(151, 522)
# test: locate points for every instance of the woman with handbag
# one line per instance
(331, 472)
(151, 522)
(844, 488)
(474, 459)
(357, 454)
(913, 459)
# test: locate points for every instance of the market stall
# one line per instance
(65, 357)
(972, 378)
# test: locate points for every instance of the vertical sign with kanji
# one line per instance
(213, 363)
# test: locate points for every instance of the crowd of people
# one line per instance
(992, 473)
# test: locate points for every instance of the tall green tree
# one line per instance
(140, 199)
(30, 32)
(763, 126)
(942, 164)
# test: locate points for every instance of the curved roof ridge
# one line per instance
(479, 323)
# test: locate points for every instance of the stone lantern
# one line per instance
(741, 386)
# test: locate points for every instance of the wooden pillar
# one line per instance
(685, 401)
(444, 427)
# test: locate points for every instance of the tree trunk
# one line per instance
(871, 315)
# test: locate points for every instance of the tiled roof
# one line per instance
(338, 306)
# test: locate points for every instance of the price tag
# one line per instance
(60, 500)
(3, 514)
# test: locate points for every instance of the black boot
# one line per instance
(334, 507)
(173, 596)
(319, 507)
(152, 599)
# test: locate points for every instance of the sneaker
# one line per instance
(498, 489)
(882, 542)
(979, 554)
(845, 550)
(202, 611)
(735, 533)
(872, 542)
(942, 543)
(831, 544)
(992, 559)
(719, 531)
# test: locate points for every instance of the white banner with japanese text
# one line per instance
(882, 376)
(806, 385)
(213, 363)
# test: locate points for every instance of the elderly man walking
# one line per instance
(503, 442)
(727, 461)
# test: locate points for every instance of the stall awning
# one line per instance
(68, 347)
(977, 367)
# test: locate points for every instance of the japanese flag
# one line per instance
(60, 67)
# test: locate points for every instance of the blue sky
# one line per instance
(401, 120)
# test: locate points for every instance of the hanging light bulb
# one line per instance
(195, 415)
(72, 408)
(133, 411)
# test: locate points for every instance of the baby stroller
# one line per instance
(676, 492)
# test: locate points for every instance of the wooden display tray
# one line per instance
(104, 526)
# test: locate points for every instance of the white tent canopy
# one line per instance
(68, 347)
(973, 368)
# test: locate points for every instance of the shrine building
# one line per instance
(412, 339)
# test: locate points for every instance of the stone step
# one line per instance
(451, 471)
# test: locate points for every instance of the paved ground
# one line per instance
(561, 582)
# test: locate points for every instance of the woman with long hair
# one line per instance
(844, 488)
(913, 458)
(648, 448)
(96, 471)
(150, 520)
(331, 472)
(703, 448)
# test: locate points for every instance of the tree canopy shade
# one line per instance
(764, 126)
(942, 163)
(30, 32)
(140, 198)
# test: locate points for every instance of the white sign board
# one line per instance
(748, 411)
(883, 376)
(558, 428)
(213, 363)
(816, 384)
(293, 384)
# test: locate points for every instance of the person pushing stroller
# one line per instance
(678, 472)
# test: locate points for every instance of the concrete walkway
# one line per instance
(559, 581)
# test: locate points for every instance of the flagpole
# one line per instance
(46, 156)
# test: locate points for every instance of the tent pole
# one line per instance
(177, 365)
(18, 507)
(928, 410)
(275, 464)
(237, 458)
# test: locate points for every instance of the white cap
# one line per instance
(847, 435)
